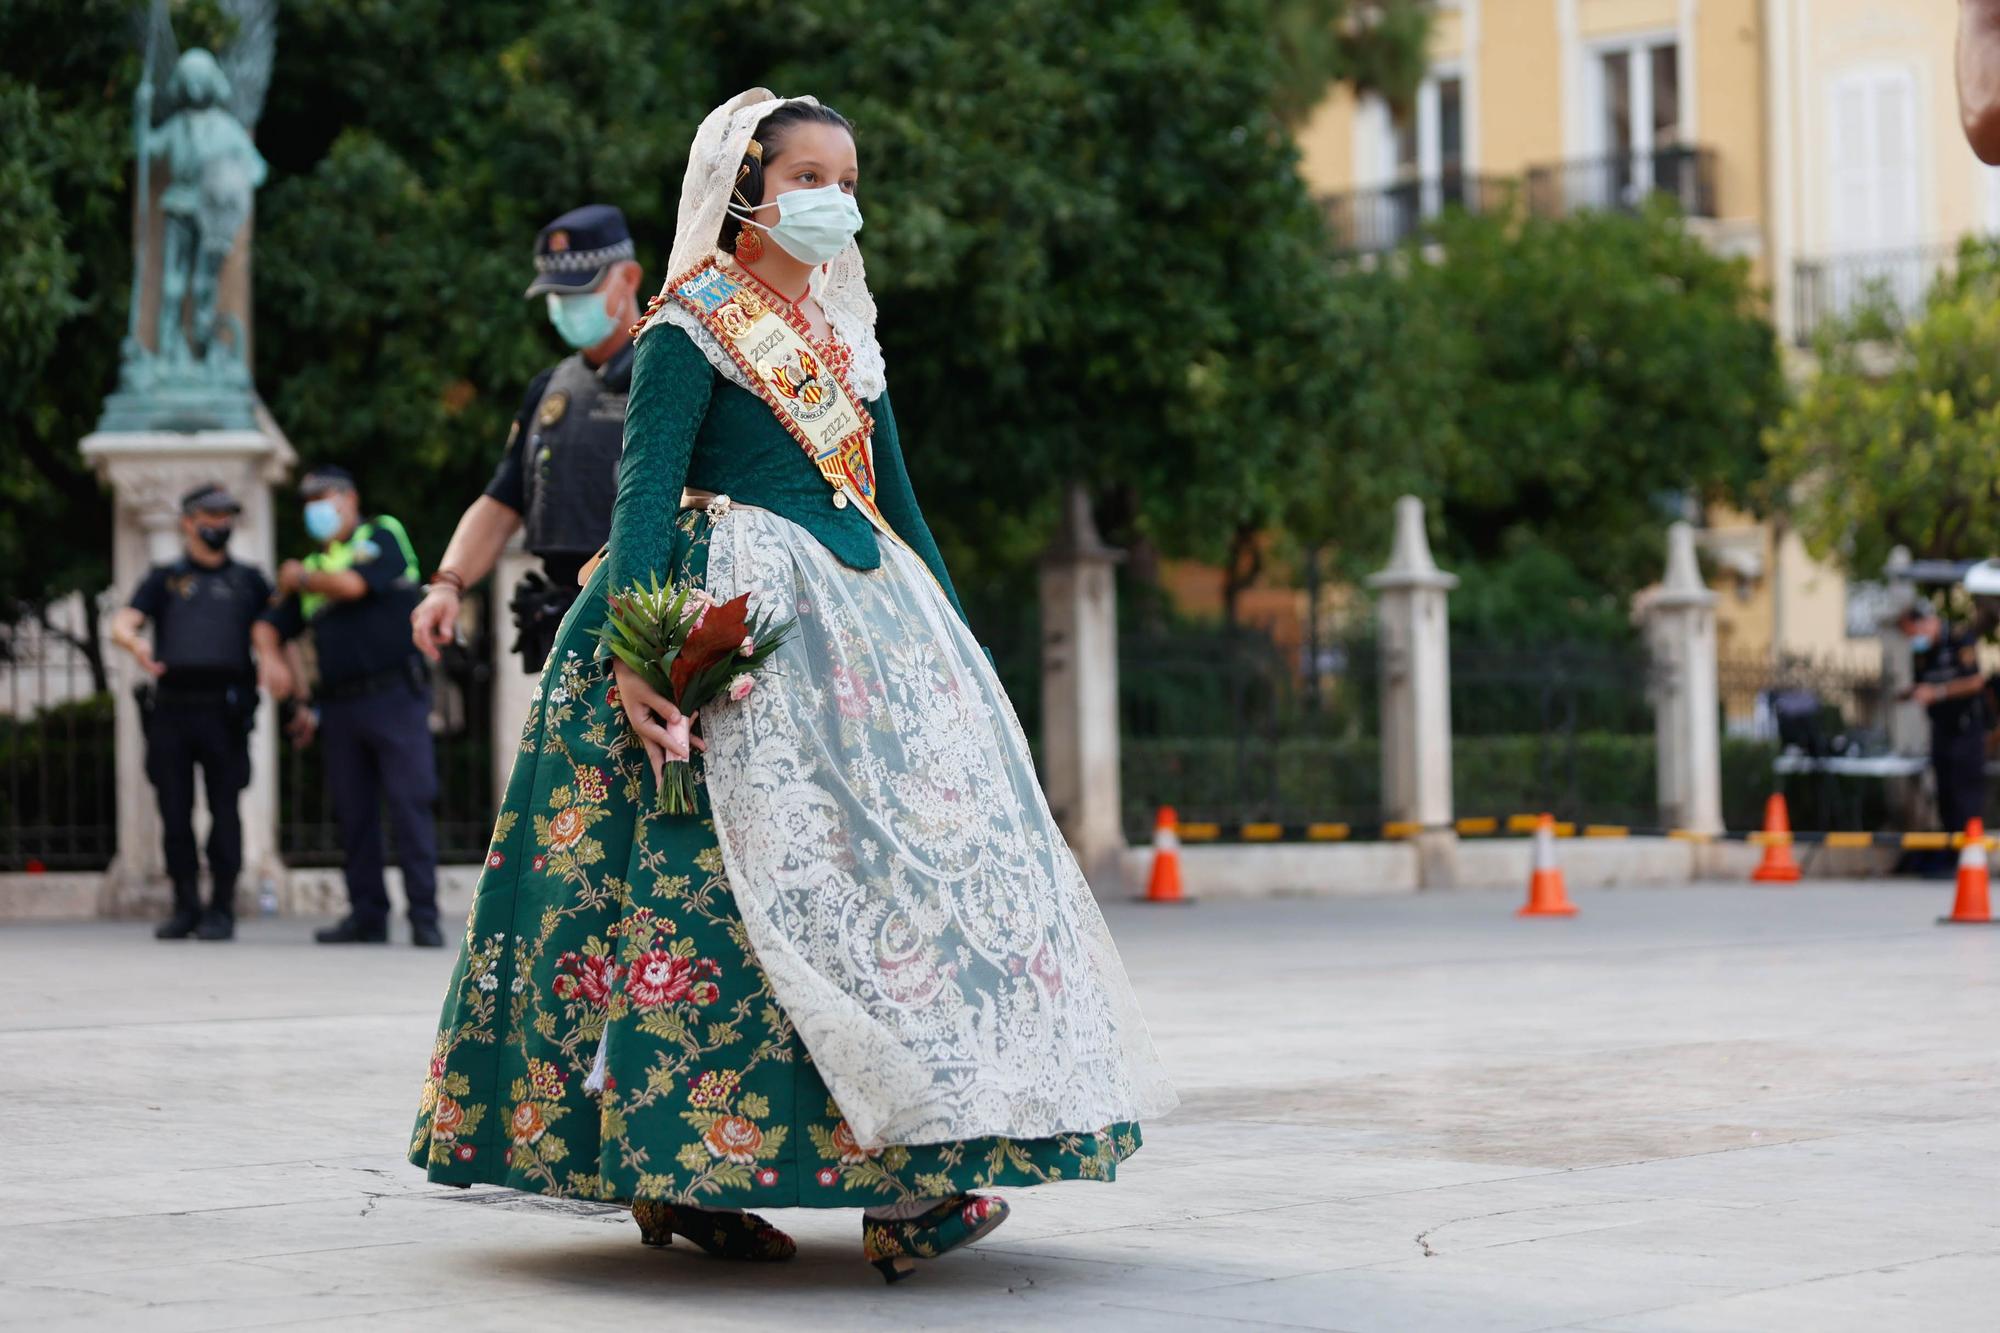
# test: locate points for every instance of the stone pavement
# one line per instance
(1693, 1109)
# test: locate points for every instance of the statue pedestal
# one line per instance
(148, 472)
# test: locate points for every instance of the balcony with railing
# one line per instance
(1893, 282)
(1623, 182)
(1367, 221)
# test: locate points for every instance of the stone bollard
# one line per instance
(1080, 756)
(1680, 631)
(1416, 695)
(1913, 801)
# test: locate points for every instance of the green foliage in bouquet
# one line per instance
(692, 650)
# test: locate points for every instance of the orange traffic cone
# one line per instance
(1164, 885)
(1777, 867)
(1546, 894)
(1972, 908)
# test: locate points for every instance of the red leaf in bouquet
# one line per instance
(720, 635)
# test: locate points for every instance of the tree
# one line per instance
(1094, 256)
(1587, 377)
(1896, 440)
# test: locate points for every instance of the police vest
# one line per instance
(380, 538)
(1940, 664)
(204, 625)
(569, 462)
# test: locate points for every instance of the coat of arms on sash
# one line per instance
(802, 383)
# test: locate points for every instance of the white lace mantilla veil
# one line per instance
(841, 286)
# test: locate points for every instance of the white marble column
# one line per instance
(1416, 695)
(1080, 757)
(1680, 631)
(1914, 799)
(148, 472)
(513, 684)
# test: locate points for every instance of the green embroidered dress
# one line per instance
(600, 923)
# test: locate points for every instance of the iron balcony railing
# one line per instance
(1894, 282)
(1622, 182)
(1366, 221)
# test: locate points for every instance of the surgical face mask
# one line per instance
(215, 536)
(581, 319)
(1920, 643)
(813, 225)
(323, 520)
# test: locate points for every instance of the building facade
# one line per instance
(1819, 139)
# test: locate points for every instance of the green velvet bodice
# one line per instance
(687, 425)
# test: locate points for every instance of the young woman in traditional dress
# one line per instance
(866, 971)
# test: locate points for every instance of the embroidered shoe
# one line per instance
(894, 1247)
(743, 1236)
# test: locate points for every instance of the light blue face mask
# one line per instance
(581, 319)
(813, 225)
(323, 520)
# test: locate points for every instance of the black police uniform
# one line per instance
(374, 704)
(1958, 728)
(559, 470)
(200, 712)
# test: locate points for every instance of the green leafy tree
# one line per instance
(1093, 253)
(1588, 377)
(1896, 440)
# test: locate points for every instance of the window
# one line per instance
(1872, 156)
(1637, 122)
(1873, 193)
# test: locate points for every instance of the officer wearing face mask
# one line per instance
(371, 708)
(558, 475)
(198, 702)
(1952, 689)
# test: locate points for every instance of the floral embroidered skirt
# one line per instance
(595, 909)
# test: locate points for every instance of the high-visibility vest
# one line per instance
(359, 547)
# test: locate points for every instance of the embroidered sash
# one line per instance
(810, 398)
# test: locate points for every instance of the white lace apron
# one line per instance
(897, 869)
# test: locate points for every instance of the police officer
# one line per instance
(1952, 690)
(558, 473)
(373, 700)
(198, 701)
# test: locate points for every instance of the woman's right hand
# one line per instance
(662, 728)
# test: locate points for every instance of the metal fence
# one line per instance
(1231, 728)
(58, 756)
(1387, 216)
(1893, 283)
(1566, 729)
(461, 723)
(1819, 709)
(1623, 182)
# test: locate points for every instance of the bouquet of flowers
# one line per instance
(692, 649)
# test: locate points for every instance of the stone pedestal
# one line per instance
(513, 684)
(1416, 695)
(148, 472)
(1680, 631)
(1913, 801)
(1080, 693)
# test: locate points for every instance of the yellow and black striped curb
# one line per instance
(1490, 826)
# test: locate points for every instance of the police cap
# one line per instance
(573, 252)
(325, 480)
(210, 498)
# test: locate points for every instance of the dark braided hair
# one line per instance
(771, 134)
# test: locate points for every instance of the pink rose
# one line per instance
(739, 689)
(748, 647)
